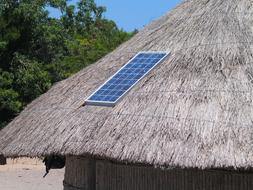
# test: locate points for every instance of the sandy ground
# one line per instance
(28, 175)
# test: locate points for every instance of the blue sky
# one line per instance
(132, 14)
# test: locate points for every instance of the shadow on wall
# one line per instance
(2, 160)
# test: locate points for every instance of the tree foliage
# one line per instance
(37, 50)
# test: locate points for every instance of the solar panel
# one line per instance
(122, 81)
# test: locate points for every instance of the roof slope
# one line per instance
(193, 110)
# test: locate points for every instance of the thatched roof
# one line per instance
(193, 110)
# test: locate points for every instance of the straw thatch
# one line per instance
(193, 110)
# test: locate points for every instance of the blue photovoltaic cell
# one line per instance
(120, 83)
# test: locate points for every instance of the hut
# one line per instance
(187, 125)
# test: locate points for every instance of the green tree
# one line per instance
(31, 79)
(9, 103)
(37, 50)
